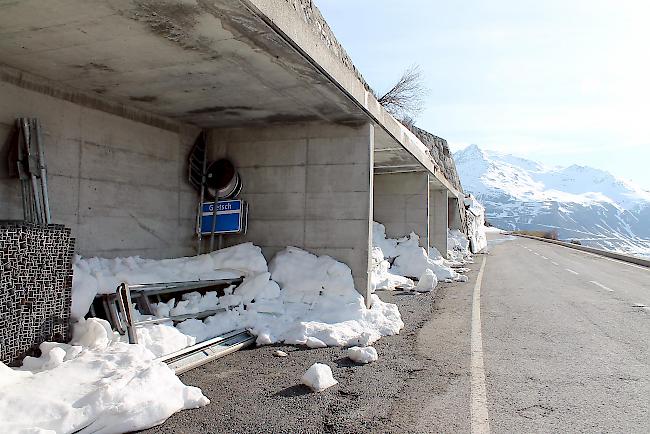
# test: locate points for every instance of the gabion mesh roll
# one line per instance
(35, 287)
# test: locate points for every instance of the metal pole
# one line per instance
(31, 163)
(43, 170)
(214, 218)
(202, 196)
(124, 300)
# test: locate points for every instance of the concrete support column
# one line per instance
(308, 186)
(401, 203)
(454, 213)
(438, 212)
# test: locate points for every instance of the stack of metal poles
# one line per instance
(32, 171)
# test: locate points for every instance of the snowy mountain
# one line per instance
(581, 202)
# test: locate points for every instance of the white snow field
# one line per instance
(397, 261)
(96, 384)
(580, 202)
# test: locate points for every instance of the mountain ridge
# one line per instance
(581, 202)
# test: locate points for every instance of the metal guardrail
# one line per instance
(120, 311)
(625, 258)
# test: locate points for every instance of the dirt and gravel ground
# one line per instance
(252, 391)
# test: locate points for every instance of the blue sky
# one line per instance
(561, 82)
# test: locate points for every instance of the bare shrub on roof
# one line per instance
(405, 100)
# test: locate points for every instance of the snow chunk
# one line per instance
(427, 282)
(362, 354)
(319, 377)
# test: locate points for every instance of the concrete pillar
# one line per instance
(438, 205)
(401, 203)
(308, 186)
(454, 213)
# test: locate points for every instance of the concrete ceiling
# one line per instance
(208, 63)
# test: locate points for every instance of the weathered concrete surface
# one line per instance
(438, 223)
(401, 203)
(308, 186)
(208, 63)
(224, 63)
(119, 184)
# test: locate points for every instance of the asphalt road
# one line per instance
(565, 348)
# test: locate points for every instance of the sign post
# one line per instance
(231, 217)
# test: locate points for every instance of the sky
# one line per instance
(558, 81)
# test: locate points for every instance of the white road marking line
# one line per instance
(536, 253)
(555, 263)
(571, 271)
(544, 257)
(601, 286)
(479, 413)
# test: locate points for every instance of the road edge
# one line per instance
(612, 255)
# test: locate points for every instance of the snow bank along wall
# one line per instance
(122, 90)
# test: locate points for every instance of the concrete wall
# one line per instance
(117, 182)
(401, 203)
(438, 223)
(308, 186)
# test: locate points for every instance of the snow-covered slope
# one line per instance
(581, 202)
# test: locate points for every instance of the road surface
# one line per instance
(565, 343)
(563, 346)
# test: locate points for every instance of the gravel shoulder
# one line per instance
(251, 391)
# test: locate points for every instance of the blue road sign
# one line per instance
(231, 217)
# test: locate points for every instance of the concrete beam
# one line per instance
(224, 63)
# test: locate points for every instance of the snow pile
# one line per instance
(300, 299)
(409, 260)
(162, 339)
(458, 247)
(319, 377)
(94, 276)
(362, 354)
(318, 300)
(95, 384)
(475, 224)
(383, 250)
